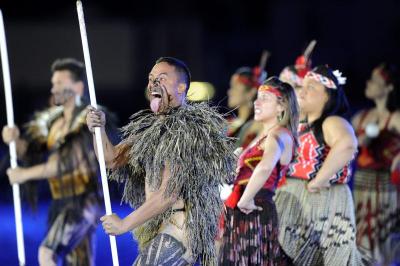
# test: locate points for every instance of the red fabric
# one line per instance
(302, 66)
(234, 197)
(310, 156)
(395, 177)
(267, 88)
(254, 80)
(247, 163)
(378, 154)
(282, 181)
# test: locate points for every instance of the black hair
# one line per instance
(254, 80)
(180, 67)
(247, 73)
(75, 67)
(337, 103)
(392, 77)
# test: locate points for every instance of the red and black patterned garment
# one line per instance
(376, 189)
(380, 151)
(252, 239)
(310, 156)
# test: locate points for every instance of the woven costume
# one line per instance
(75, 208)
(192, 140)
(252, 239)
(376, 197)
(316, 228)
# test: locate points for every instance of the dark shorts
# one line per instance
(72, 238)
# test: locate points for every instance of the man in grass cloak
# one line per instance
(172, 160)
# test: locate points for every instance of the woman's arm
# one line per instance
(274, 146)
(340, 137)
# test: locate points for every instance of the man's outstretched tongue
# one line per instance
(155, 105)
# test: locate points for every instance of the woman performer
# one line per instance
(378, 130)
(315, 207)
(251, 227)
(243, 89)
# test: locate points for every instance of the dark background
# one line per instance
(213, 37)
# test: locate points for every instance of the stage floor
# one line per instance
(34, 231)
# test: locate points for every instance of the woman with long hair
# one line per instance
(377, 181)
(241, 94)
(251, 227)
(315, 207)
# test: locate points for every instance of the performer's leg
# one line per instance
(70, 238)
(162, 250)
(46, 257)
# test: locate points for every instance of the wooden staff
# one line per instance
(12, 147)
(99, 143)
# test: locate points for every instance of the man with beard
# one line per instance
(57, 147)
(172, 160)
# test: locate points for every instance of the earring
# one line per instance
(280, 117)
(78, 100)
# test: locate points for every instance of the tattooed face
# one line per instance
(163, 88)
(64, 88)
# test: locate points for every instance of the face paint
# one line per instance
(63, 96)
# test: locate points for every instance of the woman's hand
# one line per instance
(316, 185)
(248, 207)
(113, 225)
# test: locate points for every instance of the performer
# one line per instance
(376, 195)
(172, 161)
(251, 227)
(315, 207)
(60, 135)
(294, 74)
(241, 94)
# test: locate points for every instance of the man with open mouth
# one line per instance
(172, 160)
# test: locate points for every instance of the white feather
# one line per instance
(338, 75)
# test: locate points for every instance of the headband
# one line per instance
(274, 90)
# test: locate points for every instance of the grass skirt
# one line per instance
(318, 228)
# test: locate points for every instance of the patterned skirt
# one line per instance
(164, 249)
(377, 203)
(72, 228)
(252, 239)
(318, 228)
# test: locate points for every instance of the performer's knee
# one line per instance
(46, 257)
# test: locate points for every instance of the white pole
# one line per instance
(99, 143)
(13, 151)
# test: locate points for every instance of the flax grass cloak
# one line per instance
(192, 140)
